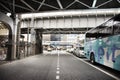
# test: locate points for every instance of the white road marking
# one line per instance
(58, 68)
(98, 68)
(58, 65)
(57, 77)
(58, 72)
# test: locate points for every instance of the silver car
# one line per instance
(79, 51)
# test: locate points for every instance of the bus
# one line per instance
(102, 43)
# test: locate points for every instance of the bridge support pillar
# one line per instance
(39, 47)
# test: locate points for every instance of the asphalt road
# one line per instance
(51, 66)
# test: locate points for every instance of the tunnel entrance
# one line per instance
(5, 41)
(61, 42)
(41, 40)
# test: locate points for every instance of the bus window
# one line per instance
(116, 28)
(116, 18)
(106, 32)
(90, 36)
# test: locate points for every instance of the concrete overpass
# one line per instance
(66, 22)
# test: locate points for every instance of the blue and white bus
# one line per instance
(102, 43)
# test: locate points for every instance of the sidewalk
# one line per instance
(3, 62)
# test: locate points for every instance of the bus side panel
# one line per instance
(112, 52)
(91, 47)
(88, 49)
(106, 51)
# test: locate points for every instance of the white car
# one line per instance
(71, 50)
(79, 51)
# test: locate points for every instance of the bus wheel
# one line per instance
(92, 58)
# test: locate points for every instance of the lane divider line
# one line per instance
(57, 77)
(58, 65)
(58, 72)
(58, 68)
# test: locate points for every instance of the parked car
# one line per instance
(79, 51)
(49, 49)
(71, 50)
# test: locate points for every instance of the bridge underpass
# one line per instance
(40, 32)
(58, 65)
(66, 23)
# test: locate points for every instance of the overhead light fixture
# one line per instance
(8, 14)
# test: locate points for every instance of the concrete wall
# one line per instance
(7, 20)
(12, 35)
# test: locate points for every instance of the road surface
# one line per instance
(51, 66)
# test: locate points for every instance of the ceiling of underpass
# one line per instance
(57, 31)
(26, 6)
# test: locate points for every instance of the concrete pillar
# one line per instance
(14, 37)
(9, 46)
(28, 32)
(33, 33)
(18, 40)
(39, 47)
